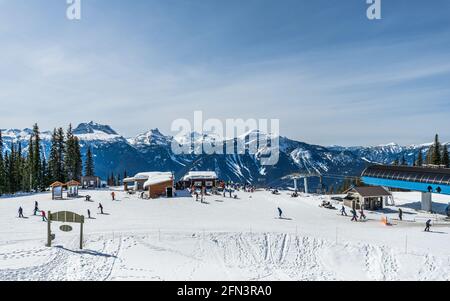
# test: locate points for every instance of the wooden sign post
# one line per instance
(64, 217)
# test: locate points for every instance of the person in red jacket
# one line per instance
(113, 195)
(44, 218)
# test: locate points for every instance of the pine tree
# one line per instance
(445, 157)
(78, 160)
(89, 165)
(419, 161)
(434, 153)
(69, 155)
(35, 156)
(2, 167)
(56, 160)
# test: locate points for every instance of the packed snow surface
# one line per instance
(222, 239)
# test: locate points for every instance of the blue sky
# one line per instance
(328, 73)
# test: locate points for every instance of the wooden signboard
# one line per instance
(64, 217)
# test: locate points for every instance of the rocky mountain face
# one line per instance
(152, 151)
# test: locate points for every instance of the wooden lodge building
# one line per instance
(369, 198)
(90, 182)
(156, 184)
(199, 179)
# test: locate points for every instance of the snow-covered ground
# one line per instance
(222, 239)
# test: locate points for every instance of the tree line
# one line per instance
(30, 171)
(437, 155)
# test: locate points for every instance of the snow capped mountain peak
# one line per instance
(93, 131)
(92, 127)
(152, 137)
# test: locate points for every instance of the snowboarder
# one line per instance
(400, 214)
(44, 218)
(280, 213)
(100, 207)
(113, 196)
(343, 212)
(355, 215)
(21, 212)
(362, 215)
(89, 214)
(36, 208)
(428, 225)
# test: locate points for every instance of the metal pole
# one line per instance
(81, 232)
(49, 230)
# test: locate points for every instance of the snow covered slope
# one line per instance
(222, 239)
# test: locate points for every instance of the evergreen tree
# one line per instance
(89, 165)
(56, 160)
(445, 158)
(35, 159)
(419, 161)
(434, 153)
(2, 167)
(69, 155)
(78, 160)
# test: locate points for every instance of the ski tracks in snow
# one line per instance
(224, 256)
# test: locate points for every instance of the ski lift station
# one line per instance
(422, 179)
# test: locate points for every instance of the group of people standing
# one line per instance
(355, 216)
(35, 212)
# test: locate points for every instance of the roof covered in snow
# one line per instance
(371, 191)
(157, 178)
(195, 175)
(147, 176)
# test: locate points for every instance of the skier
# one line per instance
(362, 215)
(100, 207)
(89, 214)
(231, 191)
(400, 214)
(44, 218)
(355, 215)
(280, 213)
(113, 195)
(36, 208)
(21, 212)
(428, 225)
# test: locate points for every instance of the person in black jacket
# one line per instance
(428, 225)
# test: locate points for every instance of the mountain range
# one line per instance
(152, 151)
